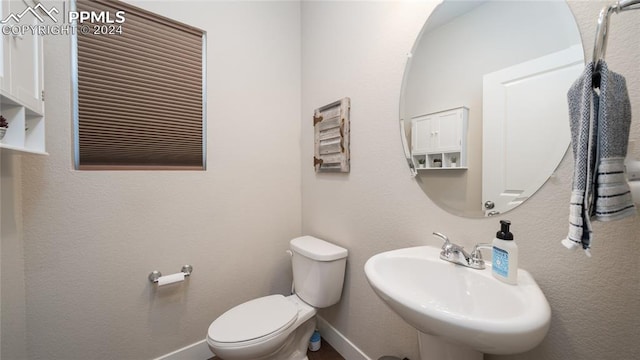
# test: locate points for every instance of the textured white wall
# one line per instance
(12, 281)
(378, 207)
(91, 238)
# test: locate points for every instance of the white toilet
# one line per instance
(276, 327)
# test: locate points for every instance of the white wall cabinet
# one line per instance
(21, 84)
(439, 140)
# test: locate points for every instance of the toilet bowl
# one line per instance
(276, 327)
(263, 328)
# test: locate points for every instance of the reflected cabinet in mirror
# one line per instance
(483, 107)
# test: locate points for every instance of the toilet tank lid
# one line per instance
(317, 249)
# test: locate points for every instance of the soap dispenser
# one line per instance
(505, 255)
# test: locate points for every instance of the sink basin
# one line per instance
(459, 305)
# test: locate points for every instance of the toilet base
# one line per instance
(294, 347)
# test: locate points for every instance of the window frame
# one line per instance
(76, 106)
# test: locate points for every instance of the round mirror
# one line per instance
(483, 109)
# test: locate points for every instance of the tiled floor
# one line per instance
(326, 352)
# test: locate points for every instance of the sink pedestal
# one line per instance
(436, 348)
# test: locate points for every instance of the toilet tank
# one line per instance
(318, 270)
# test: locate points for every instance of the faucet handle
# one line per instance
(452, 252)
(475, 259)
(449, 249)
(444, 238)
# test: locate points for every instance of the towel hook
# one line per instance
(602, 34)
(602, 30)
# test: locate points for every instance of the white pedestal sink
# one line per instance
(460, 313)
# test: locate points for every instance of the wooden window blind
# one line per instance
(139, 93)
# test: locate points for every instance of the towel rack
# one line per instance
(602, 31)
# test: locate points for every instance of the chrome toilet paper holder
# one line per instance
(155, 274)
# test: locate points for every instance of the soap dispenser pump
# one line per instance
(505, 255)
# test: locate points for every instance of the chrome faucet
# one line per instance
(456, 254)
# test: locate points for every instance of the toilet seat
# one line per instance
(256, 320)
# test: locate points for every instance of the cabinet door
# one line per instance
(449, 131)
(26, 63)
(439, 132)
(423, 135)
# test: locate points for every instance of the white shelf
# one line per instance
(21, 149)
(440, 137)
(26, 128)
(442, 168)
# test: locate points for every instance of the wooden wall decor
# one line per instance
(331, 135)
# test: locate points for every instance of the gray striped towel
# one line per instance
(600, 125)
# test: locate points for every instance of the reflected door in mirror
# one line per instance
(518, 154)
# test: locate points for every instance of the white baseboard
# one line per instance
(195, 351)
(200, 350)
(346, 348)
